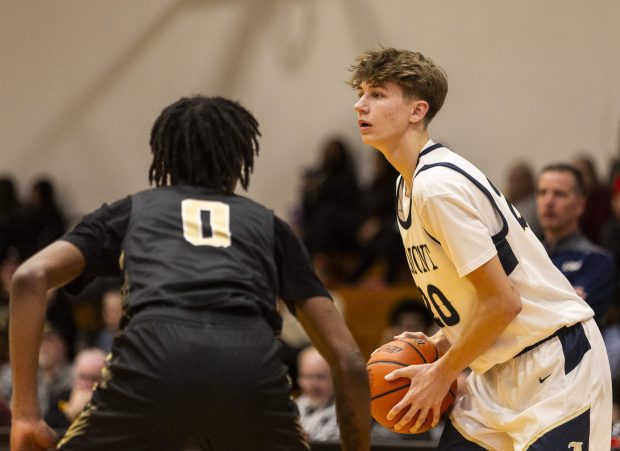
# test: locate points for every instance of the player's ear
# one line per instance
(419, 108)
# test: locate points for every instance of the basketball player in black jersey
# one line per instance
(197, 360)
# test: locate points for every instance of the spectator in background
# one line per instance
(597, 209)
(86, 372)
(60, 313)
(54, 368)
(54, 375)
(411, 315)
(521, 192)
(378, 239)
(610, 239)
(589, 268)
(610, 230)
(11, 216)
(329, 205)
(111, 314)
(7, 269)
(316, 404)
(45, 220)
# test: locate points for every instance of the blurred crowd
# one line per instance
(349, 228)
(78, 330)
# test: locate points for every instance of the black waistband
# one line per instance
(169, 313)
(558, 333)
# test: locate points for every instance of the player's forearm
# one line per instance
(27, 315)
(353, 407)
(498, 303)
(489, 319)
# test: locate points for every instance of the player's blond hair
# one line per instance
(418, 76)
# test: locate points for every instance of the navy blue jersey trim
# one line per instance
(407, 223)
(427, 151)
(504, 251)
(578, 429)
(431, 236)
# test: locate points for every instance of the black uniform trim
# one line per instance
(504, 251)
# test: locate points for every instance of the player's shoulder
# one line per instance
(444, 172)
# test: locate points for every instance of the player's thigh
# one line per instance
(126, 411)
(258, 413)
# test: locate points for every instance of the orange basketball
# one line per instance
(385, 394)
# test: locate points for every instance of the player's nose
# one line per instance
(360, 106)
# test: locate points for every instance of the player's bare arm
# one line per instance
(498, 304)
(329, 333)
(52, 267)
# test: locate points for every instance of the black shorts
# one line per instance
(205, 380)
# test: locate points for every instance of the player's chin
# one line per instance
(367, 139)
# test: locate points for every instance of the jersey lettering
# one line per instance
(575, 446)
(436, 302)
(206, 223)
(419, 258)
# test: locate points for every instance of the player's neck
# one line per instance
(403, 155)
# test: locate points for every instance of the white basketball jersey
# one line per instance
(454, 222)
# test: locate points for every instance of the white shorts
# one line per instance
(555, 396)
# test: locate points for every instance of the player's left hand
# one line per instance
(426, 393)
(438, 340)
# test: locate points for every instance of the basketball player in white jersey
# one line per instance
(540, 376)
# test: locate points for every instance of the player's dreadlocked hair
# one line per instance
(204, 141)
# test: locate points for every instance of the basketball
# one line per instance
(385, 394)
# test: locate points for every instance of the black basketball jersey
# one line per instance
(197, 249)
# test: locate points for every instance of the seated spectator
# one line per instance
(7, 269)
(44, 219)
(589, 268)
(111, 314)
(378, 238)
(316, 404)
(60, 313)
(330, 206)
(54, 368)
(597, 209)
(521, 192)
(611, 336)
(11, 217)
(610, 230)
(86, 372)
(408, 315)
(54, 376)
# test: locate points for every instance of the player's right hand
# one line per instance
(32, 435)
